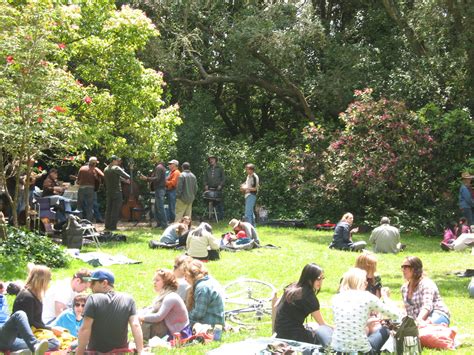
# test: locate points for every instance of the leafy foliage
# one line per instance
(26, 246)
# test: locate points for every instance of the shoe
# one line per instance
(41, 347)
(445, 247)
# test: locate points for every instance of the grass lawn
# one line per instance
(283, 266)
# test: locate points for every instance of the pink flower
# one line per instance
(40, 119)
(10, 59)
(40, 168)
(59, 109)
(61, 45)
(88, 100)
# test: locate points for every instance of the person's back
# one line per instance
(111, 312)
(198, 242)
(208, 302)
(112, 175)
(170, 234)
(385, 238)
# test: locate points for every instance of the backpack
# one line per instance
(407, 337)
(72, 233)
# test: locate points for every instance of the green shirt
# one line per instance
(112, 175)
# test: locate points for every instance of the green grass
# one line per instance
(283, 266)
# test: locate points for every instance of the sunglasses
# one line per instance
(79, 304)
(320, 278)
(405, 266)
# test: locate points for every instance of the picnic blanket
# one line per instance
(261, 347)
(103, 259)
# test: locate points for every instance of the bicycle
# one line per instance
(249, 302)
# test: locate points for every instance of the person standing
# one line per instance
(214, 179)
(185, 193)
(158, 184)
(171, 185)
(88, 178)
(466, 202)
(107, 315)
(113, 174)
(250, 188)
(386, 238)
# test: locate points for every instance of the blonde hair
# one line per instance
(196, 270)
(354, 279)
(38, 280)
(367, 261)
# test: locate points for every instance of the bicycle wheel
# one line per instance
(249, 301)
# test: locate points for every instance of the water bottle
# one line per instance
(217, 332)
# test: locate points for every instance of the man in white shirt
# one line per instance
(386, 238)
(61, 294)
(250, 188)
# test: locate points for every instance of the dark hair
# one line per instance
(310, 273)
(463, 220)
(186, 166)
(417, 268)
(52, 170)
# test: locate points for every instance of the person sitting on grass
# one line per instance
(354, 331)
(449, 236)
(167, 314)
(342, 238)
(188, 223)
(179, 266)
(72, 319)
(205, 301)
(16, 335)
(172, 233)
(247, 227)
(421, 295)
(297, 303)
(367, 261)
(201, 244)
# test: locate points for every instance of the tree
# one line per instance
(72, 82)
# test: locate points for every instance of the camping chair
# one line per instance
(90, 232)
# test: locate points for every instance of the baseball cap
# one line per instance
(103, 274)
(114, 157)
(174, 161)
(92, 159)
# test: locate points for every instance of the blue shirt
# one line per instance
(3, 309)
(67, 319)
(465, 197)
(170, 236)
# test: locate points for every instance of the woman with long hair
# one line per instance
(30, 298)
(178, 269)
(201, 244)
(168, 314)
(342, 238)
(205, 299)
(297, 303)
(188, 224)
(368, 261)
(421, 295)
(352, 306)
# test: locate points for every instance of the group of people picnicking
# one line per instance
(360, 306)
(65, 317)
(50, 318)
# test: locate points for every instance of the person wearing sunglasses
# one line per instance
(421, 295)
(71, 319)
(297, 303)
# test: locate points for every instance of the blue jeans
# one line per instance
(171, 205)
(378, 338)
(250, 201)
(85, 201)
(467, 212)
(323, 335)
(95, 208)
(17, 325)
(439, 318)
(160, 214)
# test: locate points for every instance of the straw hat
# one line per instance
(466, 175)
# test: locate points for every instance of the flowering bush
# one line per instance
(378, 161)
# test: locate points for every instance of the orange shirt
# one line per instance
(172, 180)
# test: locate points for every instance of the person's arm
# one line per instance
(84, 335)
(465, 195)
(172, 181)
(122, 173)
(427, 295)
(222, 180)
(213, 243)
(168, 303)
(136, 332)
(179, 186)
(58, 308)
(318, 317)
(373, 238)
(188, 241)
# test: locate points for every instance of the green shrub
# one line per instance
(23, 246)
